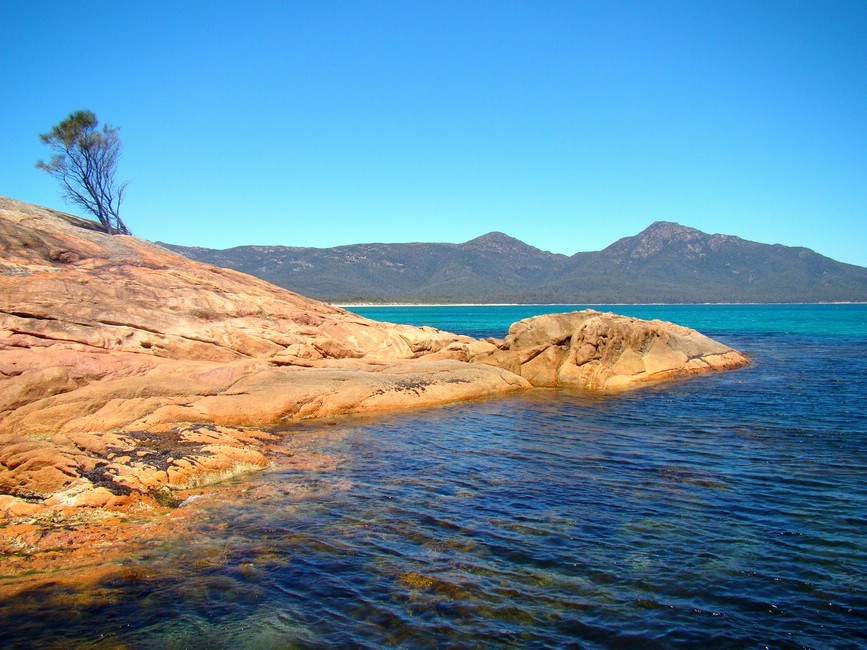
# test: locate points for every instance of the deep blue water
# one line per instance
(725, 511)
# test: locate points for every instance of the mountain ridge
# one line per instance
(665, 262)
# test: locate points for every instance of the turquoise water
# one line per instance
(480, 321)
(727, 511)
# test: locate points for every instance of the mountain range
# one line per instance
(666, 263)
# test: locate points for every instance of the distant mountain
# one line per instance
(491, 268)
(666, 262)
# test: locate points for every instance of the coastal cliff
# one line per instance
(129, 374)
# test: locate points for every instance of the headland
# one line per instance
(131, 376)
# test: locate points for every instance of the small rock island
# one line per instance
(129, 373)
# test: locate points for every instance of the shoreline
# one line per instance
(162, 375)
(342, 305)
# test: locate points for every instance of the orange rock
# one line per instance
(14, 507)
(591, 350)
(128, 372)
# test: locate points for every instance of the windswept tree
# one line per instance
(85, 161)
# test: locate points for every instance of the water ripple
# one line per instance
(728, 511)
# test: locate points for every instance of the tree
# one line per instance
(84, 161)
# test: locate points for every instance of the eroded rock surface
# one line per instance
(129, 373)
(603, 351)
(126, 369)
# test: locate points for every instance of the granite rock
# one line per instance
(604, 351)
(129, 373)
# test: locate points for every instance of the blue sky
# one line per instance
(565, 124)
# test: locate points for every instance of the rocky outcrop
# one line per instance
(126, 369)
(129, 373)
(68, 285)
(603, 351)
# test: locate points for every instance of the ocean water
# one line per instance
(725, 511)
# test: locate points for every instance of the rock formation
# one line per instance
(591, 350)
(128, 373)
(107, 343)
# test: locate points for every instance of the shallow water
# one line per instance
(723, 511)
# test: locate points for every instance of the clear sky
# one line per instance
(565, 124)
